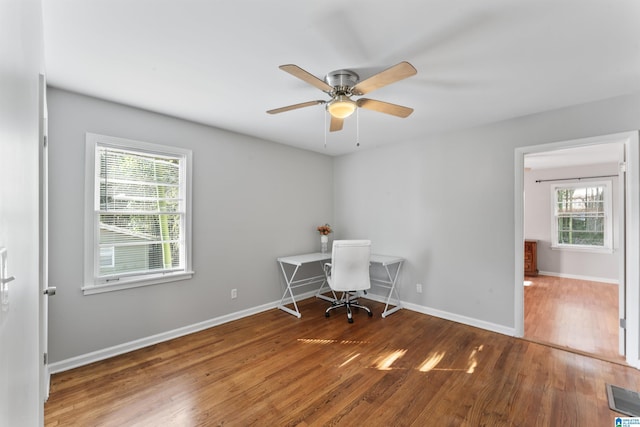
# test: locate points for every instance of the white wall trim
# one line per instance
(632, 240)
(96, 356)
(579, 277)
(470, 321)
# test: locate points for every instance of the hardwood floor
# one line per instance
(578, 314)
(273, 369)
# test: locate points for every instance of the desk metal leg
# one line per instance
(319, 293)
(288, 289)
(392, 281)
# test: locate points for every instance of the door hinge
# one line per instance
(45, 358)
(623, 323)
(44, 141)
(622, 167)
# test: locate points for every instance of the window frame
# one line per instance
(94, 284)
(607, 246)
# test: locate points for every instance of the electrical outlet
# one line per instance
(234, 293)
(419, 288)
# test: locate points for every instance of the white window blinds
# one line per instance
(139, 211)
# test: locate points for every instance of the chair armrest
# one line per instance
(327, 268)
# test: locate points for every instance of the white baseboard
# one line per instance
(579, 277)
(470, 321)
(95, 356)
(449, 316)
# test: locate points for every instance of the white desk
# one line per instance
(298, 261)
(391, 265)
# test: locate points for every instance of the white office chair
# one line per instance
(348, 273)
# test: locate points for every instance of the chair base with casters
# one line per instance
(349, 303)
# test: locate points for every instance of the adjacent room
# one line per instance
(174, 175)
(573, 295)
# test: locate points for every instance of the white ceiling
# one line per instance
(216, 62)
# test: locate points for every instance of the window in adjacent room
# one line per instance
(138, 214)
(582, 217)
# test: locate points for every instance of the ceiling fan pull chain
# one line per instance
(357, 127)
(325, 129)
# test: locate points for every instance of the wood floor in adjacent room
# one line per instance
(272, 369)
(580, 315)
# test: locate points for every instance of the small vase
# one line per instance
(324, 241)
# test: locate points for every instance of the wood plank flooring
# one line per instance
(272, 369)
(578, 314)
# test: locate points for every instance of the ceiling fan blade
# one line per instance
(336, 124)
(295, 107)
(390, 75)
(384, 107)
(306, 76)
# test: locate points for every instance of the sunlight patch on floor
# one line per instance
(316, 341)
(384, 363)
(473, 361)
(432, 361)
(329, 341)
(346, 362)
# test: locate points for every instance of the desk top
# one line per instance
(305, 258)
(386, 259)
(317, 256)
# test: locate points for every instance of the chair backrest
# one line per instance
(350, 265)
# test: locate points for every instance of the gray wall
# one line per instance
(253, 201)
(21, 58)
(537, 225)
(446, 203)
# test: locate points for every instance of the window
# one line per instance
(582, 216)
(107, 257)
(138, 216)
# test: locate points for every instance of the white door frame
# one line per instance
(43, 167)
(631, 278)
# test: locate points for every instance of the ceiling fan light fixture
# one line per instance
(341, 107)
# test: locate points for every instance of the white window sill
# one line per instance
(576, 248)
(128, 283)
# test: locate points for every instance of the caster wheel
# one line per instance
(350, 320)
(326, 314)
(370, 314)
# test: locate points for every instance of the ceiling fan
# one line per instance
(341, 85)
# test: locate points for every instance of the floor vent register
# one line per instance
(624, 401)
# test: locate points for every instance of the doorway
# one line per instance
(573, 161)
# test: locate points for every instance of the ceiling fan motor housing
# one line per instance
(342, 81)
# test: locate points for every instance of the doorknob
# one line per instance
(50, 291)
(7, 280)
